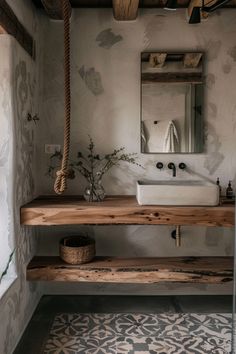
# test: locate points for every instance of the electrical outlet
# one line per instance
(52, 148)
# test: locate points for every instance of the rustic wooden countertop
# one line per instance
(74, 210)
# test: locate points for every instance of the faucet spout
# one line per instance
(172, 167)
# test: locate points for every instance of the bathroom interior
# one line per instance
(118, 176)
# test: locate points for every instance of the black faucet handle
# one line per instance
(171, 165)
(159, 165)
(182, 166)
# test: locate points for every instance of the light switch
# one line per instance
(52, 148)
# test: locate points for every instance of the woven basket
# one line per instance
(77, 249)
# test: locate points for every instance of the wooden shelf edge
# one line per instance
(120, 210)
(207, 270)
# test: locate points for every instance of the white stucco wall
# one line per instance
(18, 97)
(6, 155)
(106, 104)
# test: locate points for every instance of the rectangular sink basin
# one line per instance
(174, 192)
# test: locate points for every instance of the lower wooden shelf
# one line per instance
(211, 270)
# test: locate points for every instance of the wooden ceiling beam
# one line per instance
(10, 24)
(206, 4)
(54, 8)
(153, 4)
(192, 4)
(125, 10)
(198, 3)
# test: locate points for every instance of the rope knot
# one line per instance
(67, 173)
(61, 178)
(60, 183)
(62, 173)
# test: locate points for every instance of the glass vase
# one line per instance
(94, 192)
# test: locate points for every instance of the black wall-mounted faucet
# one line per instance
(159, 165)
(172, 167)
(182, 166)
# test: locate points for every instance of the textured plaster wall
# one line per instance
(18, 97)
(6, 155)
(106, 104)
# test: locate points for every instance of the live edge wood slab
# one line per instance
(74, 210)
(210, 270)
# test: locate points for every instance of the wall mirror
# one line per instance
(172, 102)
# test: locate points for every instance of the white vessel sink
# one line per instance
(176, 192)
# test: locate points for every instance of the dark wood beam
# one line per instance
(151, 4)
(125, 10)
(10, 24)
(54, 8)
(91, 3)
(192, 5)
(198, 3)
(149, 78)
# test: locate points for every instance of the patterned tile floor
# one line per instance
(169, 333)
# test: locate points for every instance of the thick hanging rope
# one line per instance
(62, 175)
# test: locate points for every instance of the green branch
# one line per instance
(7, 266)
(92, 165)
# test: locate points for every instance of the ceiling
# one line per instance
(142, 3)
(127, 10)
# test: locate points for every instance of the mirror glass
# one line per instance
(171, 102)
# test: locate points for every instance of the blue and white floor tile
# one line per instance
(140, 334)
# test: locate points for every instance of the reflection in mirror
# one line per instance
(172, 102)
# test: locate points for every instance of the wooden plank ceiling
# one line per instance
(127, 10)
(142, 3)
(108, 3)
(10, 24)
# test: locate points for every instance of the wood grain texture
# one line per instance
(11, 25)
(125, 10)
(177, 77)
(192, 4)
(157, 60)
(142, 3)
(74, 210)
(198, 3)
(54, 8)
(192, 60)
(208, 270)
